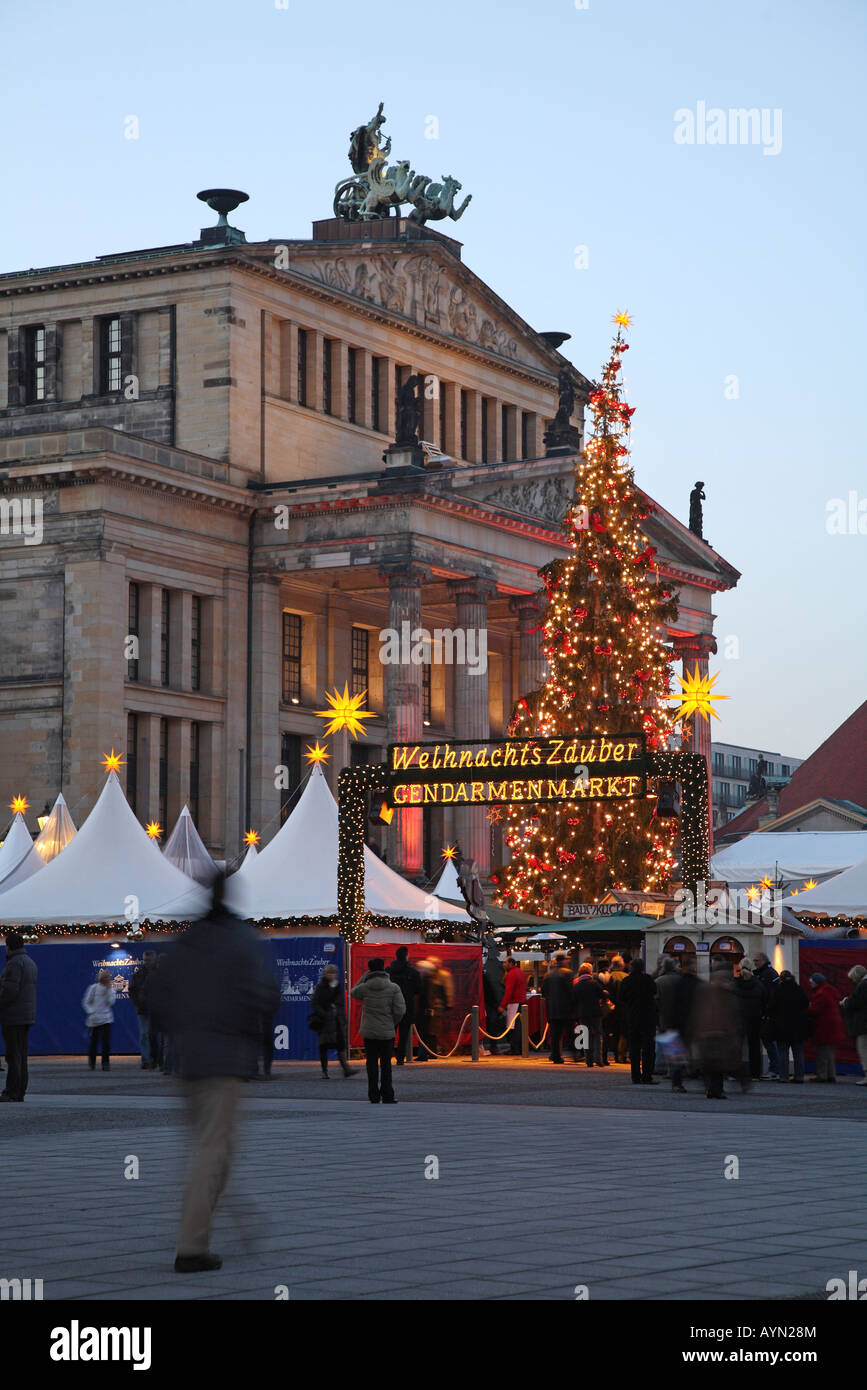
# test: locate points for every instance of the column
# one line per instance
(94, 718)
(288, 360)
(150, 631)
(149, 768)
(178, 781)
(403, 708)
(495, 431)
(452, 442)
(512, 441)
(314, 368)
(531, 658)
(363, 373)
(387, 413)
(339, 379)
(264, 752)
(472, 720)
(181, 639)
(474, 426)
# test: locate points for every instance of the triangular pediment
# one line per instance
(544, 499)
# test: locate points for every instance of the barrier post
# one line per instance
(475, 1033)
(525, 1031)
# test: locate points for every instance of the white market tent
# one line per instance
(251, 854)
(185, 849)
(110, 866)
(296, 874)
(57, 832)
(793, 854)
(19, 857)
(447, 885)
(845, 895)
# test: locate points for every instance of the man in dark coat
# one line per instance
(682, 1015)
(407, 978)
(638, 1000)
(210, 993)
(787, 1009)
(751, 998)
(557, 993)
(149, 1043)
(587, 996)
(17, 1013)
(767, 977)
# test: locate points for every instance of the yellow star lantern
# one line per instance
(766, 882)
(251, 837)
(112, 762)
(622, 320)
(495, 814)
(811, 883)
(696, 697)
(346, 712)
(19, 803)
(316, 754)
(154, 829)
(752, 893)
(449, 851)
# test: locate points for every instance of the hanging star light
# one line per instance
(766, 882)
(449, 851)
(752, 893)
(154, 829)
(251, 837)
(811, 883)
(19, 803)
(112, 762)
(346, 712)
(495, 814)
(622, 320)
(696, 695)
(316, 754)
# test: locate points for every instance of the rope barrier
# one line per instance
(442, 1056)
(541, 1040)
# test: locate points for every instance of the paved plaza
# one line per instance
(549, 1178)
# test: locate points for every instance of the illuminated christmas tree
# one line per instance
(608, 672)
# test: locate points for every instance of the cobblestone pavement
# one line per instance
(547, 1180)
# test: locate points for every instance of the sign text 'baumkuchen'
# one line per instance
(599, 767)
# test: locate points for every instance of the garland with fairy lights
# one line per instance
(609, 672)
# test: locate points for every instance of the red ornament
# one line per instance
(596, 521)
(579, 613)
(599, 858)
(603, 709)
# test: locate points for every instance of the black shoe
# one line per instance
(681, 1090)
(197, 1264)
(91, 1066)
(374, 1100)
(558, 1061)
(650, 1082)
(389, 1100)
(350, 1071)
(106, 1067)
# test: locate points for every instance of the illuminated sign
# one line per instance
(599, 767)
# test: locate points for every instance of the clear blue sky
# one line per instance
(560, 121)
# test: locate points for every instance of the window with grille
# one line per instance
(292, 658)
(302, 366)
(132, 761)
(375, 382)
(132, 626)
(464, 408)
(351, 381)
(360, 659)
(34, 364)
(165, 635)
(162, 811)
(196, 644)
(426, 693)
(290, 757)
(326, 376)
(195, 750)
(112, 349)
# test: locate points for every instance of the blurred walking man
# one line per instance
(210, 994)
(17, 1013)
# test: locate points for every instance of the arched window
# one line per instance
(727, 948)
(678, 946)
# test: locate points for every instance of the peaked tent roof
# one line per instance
(184, 848)
(110, 862)
(798, 853)
(245, 863)
(19, 858)
(57, 832)
(844, 895)
(296, 874)
(447, 885)
(836, 770)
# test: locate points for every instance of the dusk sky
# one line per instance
(742, 264)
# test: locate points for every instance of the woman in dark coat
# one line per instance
(855, 1015)
(787, 1011)
(328, 1019)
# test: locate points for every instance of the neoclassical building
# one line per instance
(202, 532)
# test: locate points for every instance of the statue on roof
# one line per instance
(696, 497)
(408, 412)
(374, 190)
(561, 436)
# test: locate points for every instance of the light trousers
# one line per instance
(212, 1108)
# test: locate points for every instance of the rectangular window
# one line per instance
(400, 374)
(111, 347)
(525, 434)
(426, 693)
(360, 659)
(443, 418)
(464, 410)
(132, 625)
(34, 364)
(754, 764)
(351, 380)
(486, 405)
(165, 634)
(195, 751)
(504, 430)
(196, 644)
(132, 761)
(326, 376)
(375, 379)
(302, 366)
(718, 762)
(292, 658)
(785, 770)
(736, 767)
(290, 757)
(162, 811)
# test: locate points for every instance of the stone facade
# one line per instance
(221, 543)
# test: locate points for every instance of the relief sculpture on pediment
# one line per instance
(543, 499)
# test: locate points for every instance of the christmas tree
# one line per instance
(608, 672)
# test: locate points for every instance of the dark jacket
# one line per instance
(557, 992)
(787, 1010)
(328, 1011)
(855, 1009)
(824, 1010)
(18, 988)
(638, 1001)
(587, 996)
(138, 987)
(767, 978)
(210, 993)
(682, 1016)
(667, 986)
(751, 998)
(719, 1031)
(408, 981)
